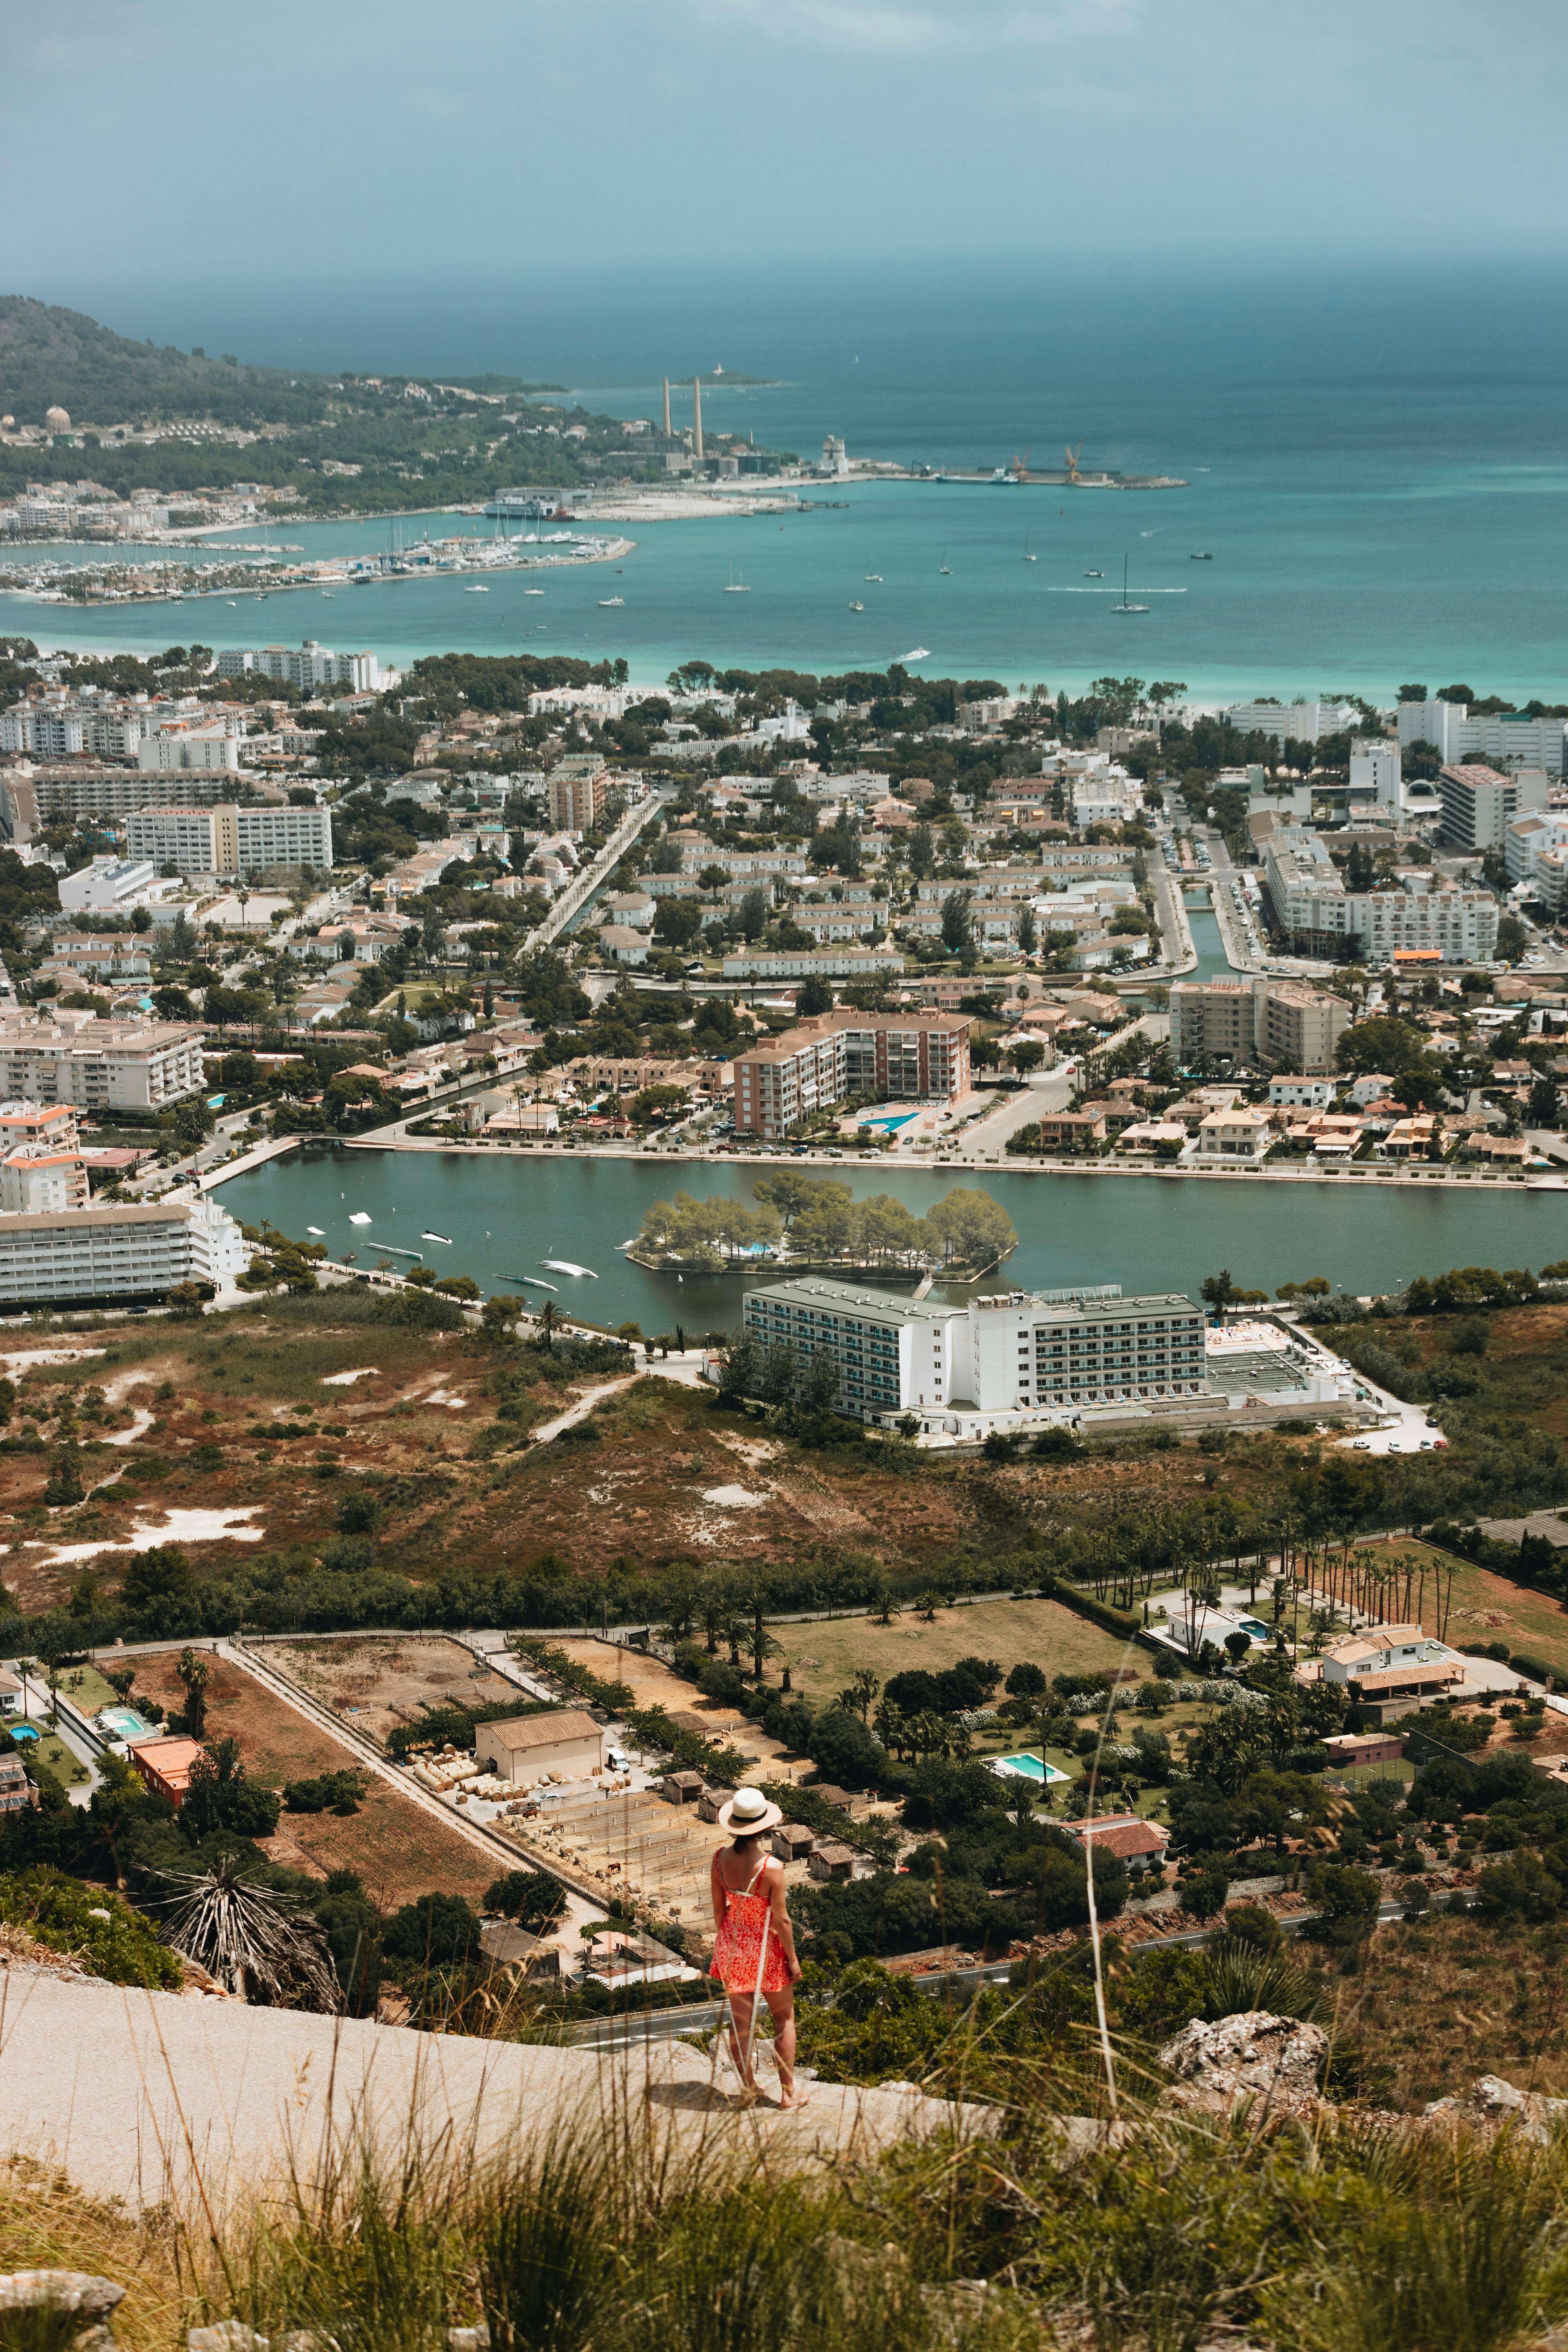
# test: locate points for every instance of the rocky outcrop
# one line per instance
(40, 2293)
(1277, 2061)
(1490, 2103)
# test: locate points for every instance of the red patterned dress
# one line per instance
(737, 1946)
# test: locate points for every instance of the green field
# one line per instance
(826, 1656)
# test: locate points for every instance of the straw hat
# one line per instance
(748, 1815)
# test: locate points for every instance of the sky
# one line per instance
(149, 141)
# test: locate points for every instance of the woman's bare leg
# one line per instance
(740, 2006)
(782, 2007)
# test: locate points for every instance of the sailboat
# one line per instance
(1124, 606)
(737, 587)
(1094, 575)
(945, 566)
(875, 576)
(1029, 557)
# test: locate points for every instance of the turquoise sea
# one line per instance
(1376, 459)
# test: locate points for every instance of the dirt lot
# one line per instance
(399, 1850)
(381, 1683)
(827, 1654)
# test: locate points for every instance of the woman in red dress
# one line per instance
(754, 1952)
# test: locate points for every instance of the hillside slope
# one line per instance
(52, 355)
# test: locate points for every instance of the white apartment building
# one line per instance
(1536, 850)
(1375, 768)
(964, 1366)
(1504, 738)
(1311, 903)
(1479, 802)
(98, 1064)
(1309, 1094)
(35, 1178)
(107, 884)
(1299, 722)
(64, 725)
(53, 1125)
(313, 665)
(227, 839)
(211, 750)
(136, 1251)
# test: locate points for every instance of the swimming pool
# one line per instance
(1026, 1768)
(891, 1126)
(122, 1723)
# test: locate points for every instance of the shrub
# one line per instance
(951, 1796)
(96, 1927)
(337, 1792)
(531, 1898)
(436, 1931)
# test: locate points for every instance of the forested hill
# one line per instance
(53, 357)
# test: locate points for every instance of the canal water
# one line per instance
(1212, 962)
(503, 1216)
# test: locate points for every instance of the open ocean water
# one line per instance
(1376, 459)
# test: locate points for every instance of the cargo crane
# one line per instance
(1074, 476)
(1020, 468)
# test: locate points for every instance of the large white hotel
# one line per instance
(983, 1364)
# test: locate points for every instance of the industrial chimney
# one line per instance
(696, 416)
(667, 409)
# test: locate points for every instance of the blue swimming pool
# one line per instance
(1026, 1768)
(122, 1723)
(891, 1126)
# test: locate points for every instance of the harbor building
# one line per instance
(228, 839)
(914, 1056)
(966, 1369)
(313, 665)
(141, 1251)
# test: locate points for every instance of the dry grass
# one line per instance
(46, 2224)
(398, 1849)
(827, 1654)
(1438, 2004)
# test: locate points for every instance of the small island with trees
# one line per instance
(815, 1224)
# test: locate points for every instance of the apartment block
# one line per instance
(1536, 851)
(312, 664)
(1017, 1351)
(210, 750)
(1311, 902)
(1479, 804)
(914, 1056)
(578, 788)
(1298, 722)
(1507, 738)
(134, 1252)
(29, 803)
(35, 1177)
(228, 839)
(98, 1064)
(1275, 1021)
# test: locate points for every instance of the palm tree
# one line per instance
(863, 1691)
(549, 1323)
(260, 1945)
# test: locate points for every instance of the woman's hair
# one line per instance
(749, 1838)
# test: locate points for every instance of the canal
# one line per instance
(504, 1216)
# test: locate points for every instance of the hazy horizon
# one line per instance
(147, 143)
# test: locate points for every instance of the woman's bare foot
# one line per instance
(793, 2098)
